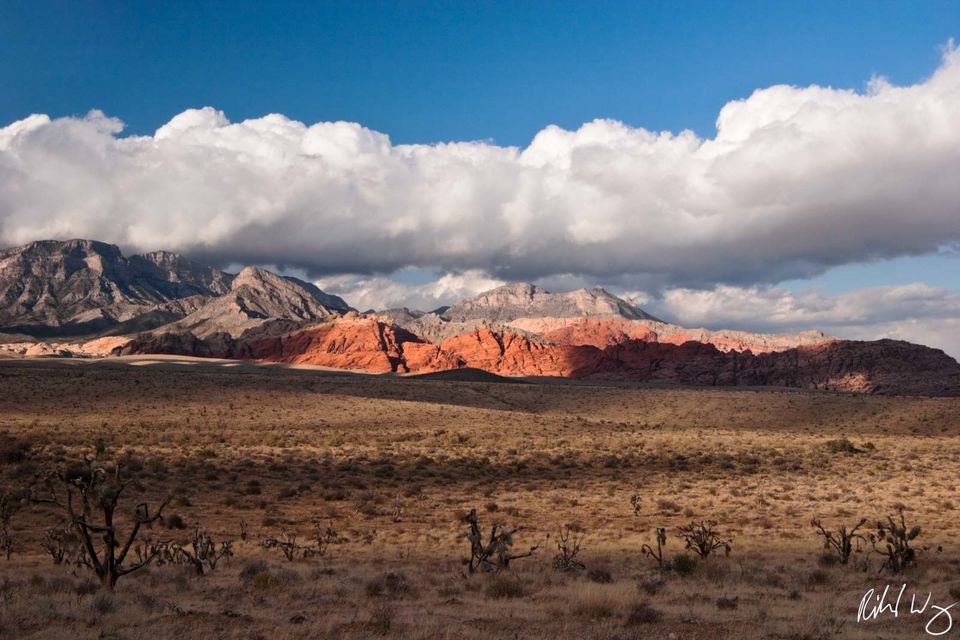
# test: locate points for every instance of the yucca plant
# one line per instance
(892, 540)
(661, 543)
(841, 541)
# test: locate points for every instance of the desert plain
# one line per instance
(393, 464)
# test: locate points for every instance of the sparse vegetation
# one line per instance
(656, 555)
(566, 559)
(345, 455)
(492, 553)
(841, 541)
(703, 538)
(8, 507)
(86, 491)
(892, 540)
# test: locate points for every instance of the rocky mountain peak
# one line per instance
(525, 300)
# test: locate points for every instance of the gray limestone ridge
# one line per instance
(258, 295)
(86, 288)
(524, 300)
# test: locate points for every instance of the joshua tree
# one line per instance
(661, 543)
(323, 537)
(89, 497)
(494, 554)
(893, 541)
(841, 541)
(202, 554)
(703, 538)
(286, 542)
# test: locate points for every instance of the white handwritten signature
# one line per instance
(875, 604)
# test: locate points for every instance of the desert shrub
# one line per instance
(651, 586)
(381, 621)
(265, 580)
(600, 576)
(642, 613)
(8, 508)
(270, 578)
(251, 569)
(13, 450)
(594, 609)
(103, 604)
(668, 505)
(828, 560)
(505, 588)
(148, 602)
(841, 445)
(390, 585)
(683, 565)
(86, 587)
(818, 577)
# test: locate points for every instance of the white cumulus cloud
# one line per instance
(795, 181)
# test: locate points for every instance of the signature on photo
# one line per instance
(876, 604)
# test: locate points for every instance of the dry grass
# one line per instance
(393, 464)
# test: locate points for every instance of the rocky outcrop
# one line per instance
(83, 287)
(257, 296)
(524, 300)
(368, 344)
(602, 332)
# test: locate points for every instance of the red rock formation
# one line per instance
(514, 355)
(363, 344)
(599, 332)
(882, 366)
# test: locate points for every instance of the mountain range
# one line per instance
(85, 298)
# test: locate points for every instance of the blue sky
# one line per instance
(432, 71)
(495, 72)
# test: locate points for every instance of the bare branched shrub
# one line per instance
(658, 554)
(892, 540)
(494, 554)
(89, 496)
(566, 558)
(703, 538)
(63, 545)
(841, 541)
